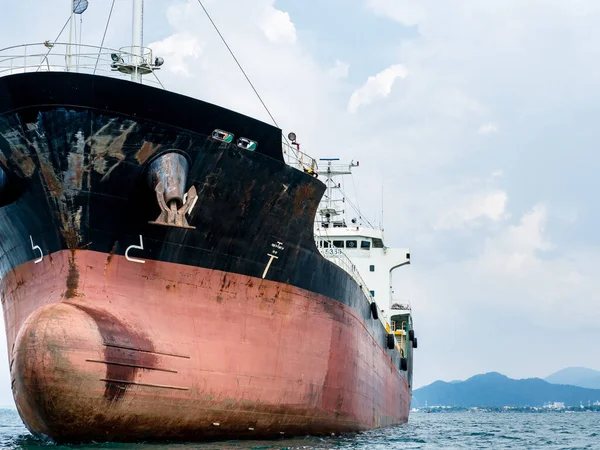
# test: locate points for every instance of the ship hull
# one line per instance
(161, 351)
(120, 329)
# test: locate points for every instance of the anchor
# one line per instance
(168, 175)
(170, 214)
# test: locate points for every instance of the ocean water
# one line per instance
(460, 430)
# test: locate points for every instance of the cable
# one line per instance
(357, 204)
(50, 49)
(356, 209)
(104, 37)
(80, 38)
(239, 65)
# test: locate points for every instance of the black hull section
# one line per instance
(75, 149)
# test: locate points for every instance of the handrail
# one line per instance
(338, 257)
(79, 58)
(299, 160)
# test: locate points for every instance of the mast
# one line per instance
(330, 211)
(138, 39)
(69, 50)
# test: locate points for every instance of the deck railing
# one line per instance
(299, 160)
(79, 58)
(338, 257)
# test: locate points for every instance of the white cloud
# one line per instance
(405, 12)
(278, 27)
(340, 69)
(297, 91)
(517, 247)
(472, 208)
(488, 128)
(178, 50)
(378, 86)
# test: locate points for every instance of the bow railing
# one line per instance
(299, 160)
(79, 58)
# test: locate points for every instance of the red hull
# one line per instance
(103, 348)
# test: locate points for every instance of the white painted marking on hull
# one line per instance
(37, 247)
(272, 257)
(138, 247)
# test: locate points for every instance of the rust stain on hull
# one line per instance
(71, 224)
(54, 185)
(23, 161)
(72, 278)
(110, 256)
(74, 176)
(147, 150)
(304, 197)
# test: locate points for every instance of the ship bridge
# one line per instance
(360, 250)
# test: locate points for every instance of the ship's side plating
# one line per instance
(75, 151)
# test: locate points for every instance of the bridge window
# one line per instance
(372, 293)
(338, 244)
(350, 244)
(325, 244)
(377, 243)
(365, 245)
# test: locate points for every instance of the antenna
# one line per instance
(382, 205)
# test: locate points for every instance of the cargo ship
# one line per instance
(171, 270)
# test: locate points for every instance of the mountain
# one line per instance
(497, 390)
(576, 376)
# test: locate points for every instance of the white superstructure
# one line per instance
(360, 249)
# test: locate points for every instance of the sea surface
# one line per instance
(457, 430)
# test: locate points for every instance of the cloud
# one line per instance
(487, 205)
(519, 245)
(340, 69)
(378, 86)
(516, 251)
(179, 50)
(488, 128)
(278, 26)
(405, 12)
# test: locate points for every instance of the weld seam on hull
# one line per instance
(135, 383)
(145, 351)
(114, 363)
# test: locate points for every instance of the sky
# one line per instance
(477, 119)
